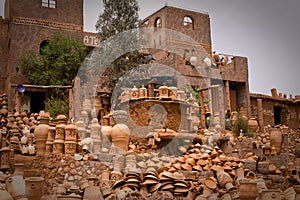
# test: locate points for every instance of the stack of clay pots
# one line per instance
(50, 139)
(59, 139)
(70, 143)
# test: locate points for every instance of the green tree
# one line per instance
(57, 63)
(120, 16)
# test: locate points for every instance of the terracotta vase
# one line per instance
(16, 187)
(60, 127)
(106, 137)
(34, 187)
(247, 190)
(173, 93)
(71, 132)
(266, 194)
(120, 137)
(41, 134)
(19, 167)
(276, 138)
(134, 93)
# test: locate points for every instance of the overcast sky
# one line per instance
(267, 32)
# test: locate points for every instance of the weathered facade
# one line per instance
(276, 110)
(26, 26)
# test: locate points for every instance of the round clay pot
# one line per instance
(120, 137)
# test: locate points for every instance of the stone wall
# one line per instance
(290, 110)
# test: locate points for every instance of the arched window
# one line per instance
(188, 22)
(157, 23)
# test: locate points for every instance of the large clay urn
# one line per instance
(15, 185)
(120, 138)
(276, 138)
(41, 133)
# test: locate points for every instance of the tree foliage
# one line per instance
(117, 18)
(57, 63)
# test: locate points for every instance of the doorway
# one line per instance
(277, 115)
(37, 102)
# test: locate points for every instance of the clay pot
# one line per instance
(163, 92)
(248, 190)
(253, 124)
(15, 185)
(19, 167)
(173, 93)
(276, 138)
(91, 193)
(51, 134)
(58, 146)
(95, 129)
(34, 187)
(60, 131)
(41, 134)
(120, 137)
(70, 147)
(4, 195)
(134, 93)
(49, 148)
(143, 92)
(266, 194)
(40, 146)
(71, 132)
(5, 153)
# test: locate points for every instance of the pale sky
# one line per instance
(267, 32)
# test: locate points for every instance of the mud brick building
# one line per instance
(27, 25)
(191, 53)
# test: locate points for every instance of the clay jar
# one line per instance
(60, 127)
(71, 132)
(276, 138)
(163, 92)
(120, 137)
(15, 185)
(143, 92)
(248, 190)
(41, 133)
(34, 187)
(134, 93)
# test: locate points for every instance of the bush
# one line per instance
(57, 106)
(240, 124)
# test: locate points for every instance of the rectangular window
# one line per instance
(49, 3)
